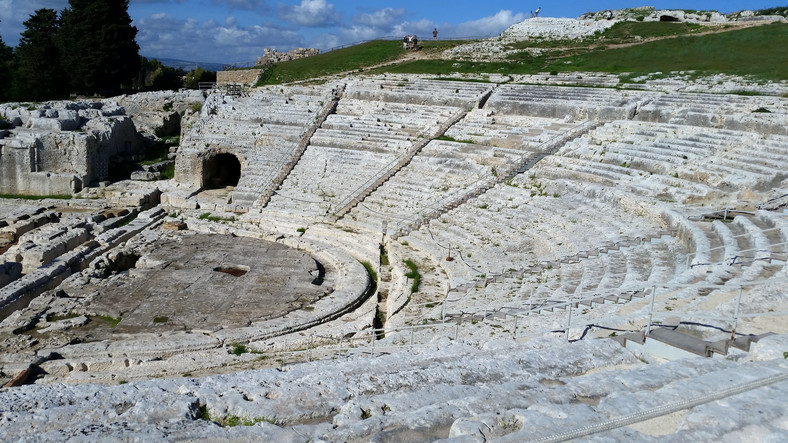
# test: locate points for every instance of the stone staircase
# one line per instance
(523, 165)
(671, 343)
(396, 165)
(296, 154)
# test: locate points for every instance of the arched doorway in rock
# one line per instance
(222, 170)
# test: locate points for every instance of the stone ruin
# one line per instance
(62, 147)
(274, 56)
(404, 258)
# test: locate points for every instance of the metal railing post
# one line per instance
(651, 309)
(569, 321)
(736, 314)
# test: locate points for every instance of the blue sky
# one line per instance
(229, 31)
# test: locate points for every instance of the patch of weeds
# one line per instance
(301, 230)
(413, 275)
(365, 413)
(238, 349)
(763, 110)
(785, 355)
(161, 319)
(215, 218)
(168, 173)
(113, 321)
(447, 138)
(36, 197)
(231, 420)
(54, 318)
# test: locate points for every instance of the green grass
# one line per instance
(159, 152)
(760, 52)
(354, 58)
(525, 65)
(113, 321)
(238, 349)
(447, 138)
(413, 275)
(215, 218)
(168, 172)
(231, 420)
(36, 197)
(372, 274)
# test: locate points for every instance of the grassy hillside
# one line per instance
(760, 52)
(355, 58)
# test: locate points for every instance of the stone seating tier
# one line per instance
(403, 89)
(441, 170)
(325, 176)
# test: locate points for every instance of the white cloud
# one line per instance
(380, 18)
(164, 36)
(311, 13)
(486, 26)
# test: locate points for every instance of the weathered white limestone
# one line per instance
(502, 130)
(63, 147)
(442, 171)
(528, 391)
(353, 148)
(262, 131)
(761, 114)
(568, 103)
(417, 90)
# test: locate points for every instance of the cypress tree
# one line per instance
(38, 72)
(6, 59)
(100, 53)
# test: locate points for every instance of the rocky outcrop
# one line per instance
(59, 148)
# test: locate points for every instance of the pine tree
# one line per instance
(6, 59)
(100, 53)
(38, 72)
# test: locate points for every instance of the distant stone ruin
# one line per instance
(274, 56)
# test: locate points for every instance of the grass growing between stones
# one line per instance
(113, 321)
(215, 218)
(36, 197)
(231, 420)
(413, 275)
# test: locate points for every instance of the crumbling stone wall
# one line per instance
(59, 149)
(245, 76)
(274, 56)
